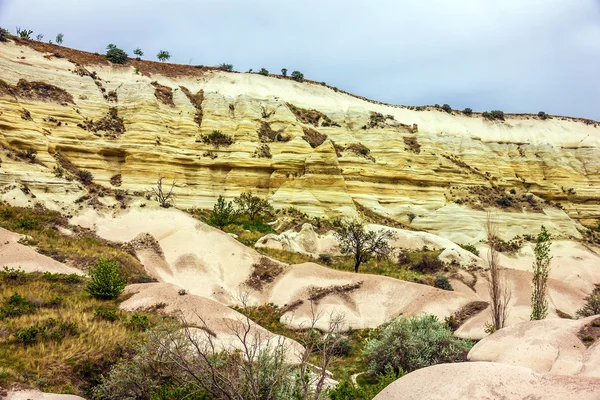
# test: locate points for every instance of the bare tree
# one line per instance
(498, 287)
(164, 198)
(355, 240)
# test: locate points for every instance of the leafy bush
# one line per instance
(253, 206)
(217, 139)
(494, 114)
(442, 282)
(13, 276)
(263, 71)
(298, 76)
(427, 264)
(139, 322)
(410, 343)
(116, 55)
(163, 55)
(27, 223)
(85, 176)
(504, 202)
(138, 52)
(226, 67)
(592, 305)
(106, 281)
(349, 391)
(543, 115)
(59, 38)
(182, 292)
(222, 214)
(471, 248)
(29, 335)
(107, 313)
(284, 71)
(4, 34)
(15, 306)
(325, 259)
(467, 111)
(24, 33)
(447, 108)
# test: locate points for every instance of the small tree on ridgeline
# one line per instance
(298, 76)
(138, 52)
(115, 55)
(163, 55)
(356, 241)
(59, 38)
(253, 206)
(106, 281)
(541, 270)
(223, 213)
(284, 71)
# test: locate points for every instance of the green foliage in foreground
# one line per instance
(410, 343)
(106, 281)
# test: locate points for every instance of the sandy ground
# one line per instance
(547, 346)
(488, 381)
(16, 255)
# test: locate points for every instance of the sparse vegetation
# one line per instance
(226, 67)
(138, 52)
(217, 139)
(24, 33)
(116, 55)
(165, 198)
(412, 144)
(298, 76)
(447, 108)
(111, 124)
(59, 38)
(592, 305)
(163, 55)
(223, 213)
(468, 111)
(106, 281)
(541, 271)
(543, 116)
(263, 71)
(471, 248)
(4, 35)
(263, 151)
(266, 134)
(253, 206)
(284, 72)
(493, 115)
(313, 137)
(361, 244)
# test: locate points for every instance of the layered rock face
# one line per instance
(298, 144)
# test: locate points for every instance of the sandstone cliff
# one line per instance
(299, 144)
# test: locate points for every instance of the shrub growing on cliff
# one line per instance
(442, 282)
(226, 67)
(447, 108)
(163, 55)
(494, 114)
(115, 55)
(298, 76)
(410, 343)
(467, 111)
(4, 34)
(217, 139)
(592, 305)
(106, 282)
(264, 71)
(284, 71)
(361, 244)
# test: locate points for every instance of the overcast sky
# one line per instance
(512, 55)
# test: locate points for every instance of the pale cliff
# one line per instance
(436, 167)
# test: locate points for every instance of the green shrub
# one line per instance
(325, 259)
(15, 306)
(106, 281)
(13, 276)
(504, 202)
(447, 108)
(592, 305)
(410, 343)
(471, 248)
(222, 214)
(217, 139)
(107, 313)
(139, 322)
(349, 391)
(494, 114)
(28, 336)
(59, 38)
(116, 55)
(543, 115)
(263, 71)
(4, 34)
(298, 76)
(428, 264)
(163, 55)
(467, 111)
(138, 52)
(442, 282)
(85, 176)
(226, 67)
(24, 33)
(284, 71)
(27, 223)
(253, 206)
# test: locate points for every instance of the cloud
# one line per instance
(514, 55)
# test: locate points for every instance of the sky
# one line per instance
(511, 55)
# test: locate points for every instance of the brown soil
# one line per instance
(111, 123)
(316, 294)
(39, 91)
(412, 144)
(467, 311)
(313, 137)
(266, 134)
(196, 100)
(311, 116)
(590, 333)
(360, 150)
(163, 93)
(264, 272)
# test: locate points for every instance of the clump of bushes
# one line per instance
(4, 34)
(592, 305)
(471, 248)
(217, 139)
(442, 282)
(494, 115)
(226, 67)
(504, 202)
(427, 264)
(263, 71)
(468, 111)
(410, 343)
(298, 76)
(106, 280)
(139, 322)
(447, 108)
(15, 306)
(107, 313)
(116, 55)
(85, 176)
(543, 115)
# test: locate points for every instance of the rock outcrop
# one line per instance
(298, 144)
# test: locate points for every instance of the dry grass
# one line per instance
(310, 116)
(80, 250)
(313, 137)
(39, 91)
(163, 93)
(70, 363)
